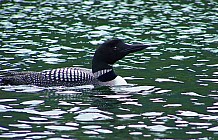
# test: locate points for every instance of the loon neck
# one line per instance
(103, 71)
(105, 75)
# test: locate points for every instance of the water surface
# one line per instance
(174, 82)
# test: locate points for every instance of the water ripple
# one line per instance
(172, 91)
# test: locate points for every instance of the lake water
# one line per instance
(173, 92)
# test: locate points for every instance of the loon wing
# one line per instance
(70, 76)
(13, 73)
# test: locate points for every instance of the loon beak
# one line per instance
(134, 48)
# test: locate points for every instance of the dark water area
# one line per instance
(173, 84)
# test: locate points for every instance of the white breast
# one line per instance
(117, 81)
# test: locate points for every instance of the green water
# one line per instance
(174, 91)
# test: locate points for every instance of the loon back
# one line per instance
(102, 72)
(70, 76)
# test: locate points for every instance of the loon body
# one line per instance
(102, 73)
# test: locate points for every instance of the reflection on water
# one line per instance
(173, 84)
(144, 111)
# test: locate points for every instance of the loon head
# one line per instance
(110, 52)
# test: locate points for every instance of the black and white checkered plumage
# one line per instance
(70, 76)
(101, 74)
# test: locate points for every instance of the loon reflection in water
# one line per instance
(102, 73)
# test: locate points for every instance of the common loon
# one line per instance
(102, 73)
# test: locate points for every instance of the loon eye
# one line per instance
(115, 48)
